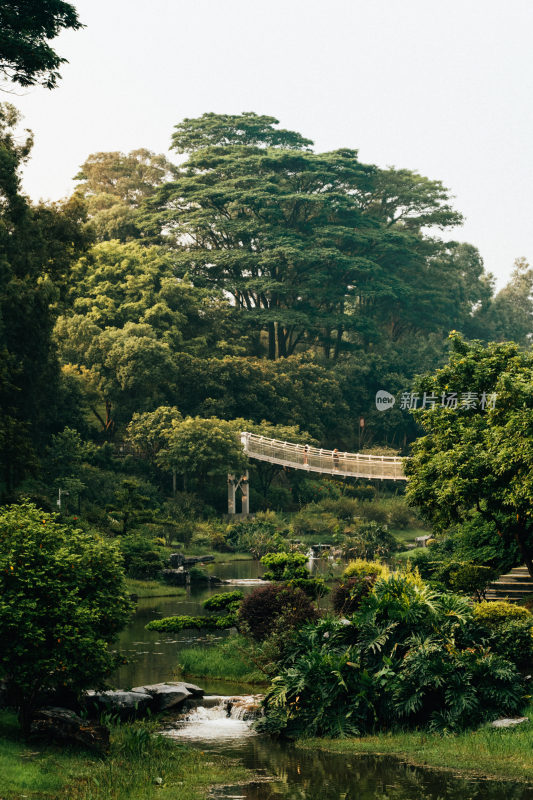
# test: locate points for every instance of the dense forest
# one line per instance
(252, 281)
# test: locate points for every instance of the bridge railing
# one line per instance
(314, 459)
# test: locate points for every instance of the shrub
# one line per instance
(399, 515)
(347, 595)
(313, 587)
(400, 661)
(362, 568)
(313, 521)
(284, 566)
(275, 608)
(198, 575)
(258, 536)
(179, 623)
(218, 602)
(464, 576)
(62, 602)
(345, 508)
(209, 536)
(142, 559)
(369, 540)
(508, 629)
(498, 611)
(374, 511)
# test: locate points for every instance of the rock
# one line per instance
(191, 560)
(191, 687)
(508, 722)
(64, 725)
(165, 695)
(176, 560)
(125, 704)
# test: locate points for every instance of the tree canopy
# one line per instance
(26, 27)
(475, 460)
(62, 602)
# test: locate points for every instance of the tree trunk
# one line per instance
(524, 551)
(282, 347)
(271, 341)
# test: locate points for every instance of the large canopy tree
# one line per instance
(308, 245)
(475, 460)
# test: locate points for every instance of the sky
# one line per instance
(443, 88)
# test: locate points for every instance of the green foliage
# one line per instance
(26, 57)
(179, 623)
(313, 521)
(284, 566)
(312, 587)
(402, 661)
(218, 602)
(348, 594)
(361, 569)
(508, 629)
(142, 559)
(62, 602)
(275, 608)
(496, 611)
(258, 536)
(472, 579)
(368, 540)
(475, 459)
(37, 245)
(203, 448)
(114, 186)
(305, 220)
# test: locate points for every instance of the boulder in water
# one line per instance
(169, 695)
(125, 704)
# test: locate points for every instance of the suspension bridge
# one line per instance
(311, 459)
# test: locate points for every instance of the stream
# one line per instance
(283, 772)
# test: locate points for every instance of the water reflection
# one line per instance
(301, 775)
(154, 656)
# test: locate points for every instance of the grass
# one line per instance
(488, 752)
(153, 589)
(136, 759)
(224, 660)
(408, 535)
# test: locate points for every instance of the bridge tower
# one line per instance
(241, 484)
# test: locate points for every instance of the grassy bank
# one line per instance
(487, 752)
(153, 589)
(224, 660)
(129, 772)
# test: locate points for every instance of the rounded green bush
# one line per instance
(498, 611)
(361, 568)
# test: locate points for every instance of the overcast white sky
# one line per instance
(439, 86)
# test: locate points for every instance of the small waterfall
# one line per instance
(217, 717)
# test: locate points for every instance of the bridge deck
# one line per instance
(313, 459)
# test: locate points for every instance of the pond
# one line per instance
(284, 772)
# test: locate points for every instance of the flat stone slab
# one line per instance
(191, 687)
(121, 702)
(165, 695)
(508, 722)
